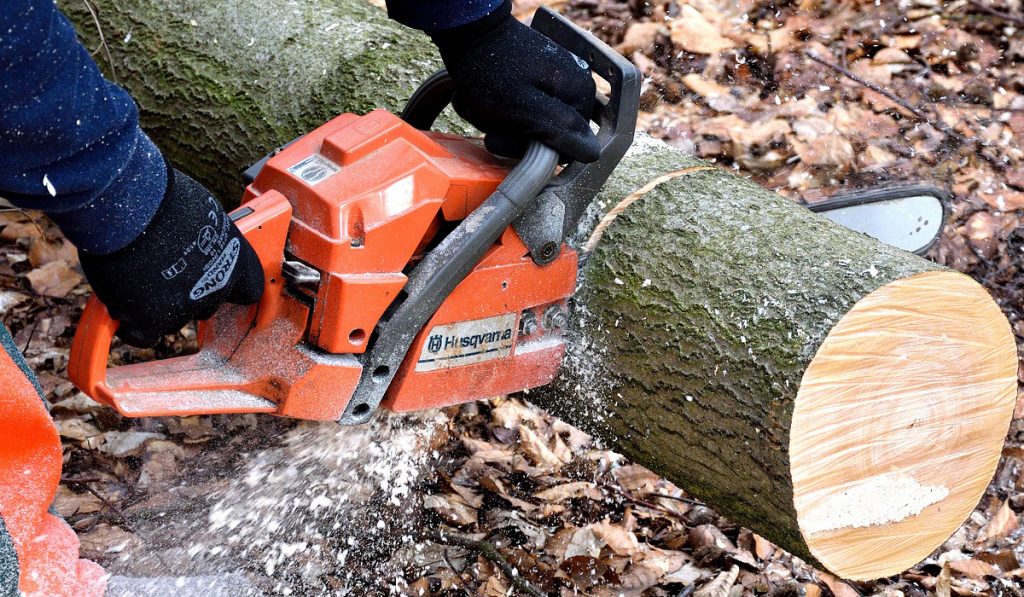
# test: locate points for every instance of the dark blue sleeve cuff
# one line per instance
(437, 15)
(117, 216)
(70, 142)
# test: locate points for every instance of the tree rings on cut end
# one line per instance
(899, 423)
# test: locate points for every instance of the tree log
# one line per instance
(840, 397)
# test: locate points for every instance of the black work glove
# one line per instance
(189, 260)
(516, 85)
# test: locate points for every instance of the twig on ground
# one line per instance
(31, 335)
(122, 519)
(82, 480)
(489, 551)
(677, 498)
(1009, 18)
(642, 502)
(914, 110)
(28, 215)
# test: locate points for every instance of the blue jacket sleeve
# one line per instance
(70, 142)
(437, 15)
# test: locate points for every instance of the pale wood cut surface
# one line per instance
(890, 452)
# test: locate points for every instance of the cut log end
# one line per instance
(899, 423)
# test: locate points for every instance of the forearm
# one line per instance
(70, 142)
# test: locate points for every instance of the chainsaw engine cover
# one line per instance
(369, 195)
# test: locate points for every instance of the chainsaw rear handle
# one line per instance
(264, 223)
(560, 206)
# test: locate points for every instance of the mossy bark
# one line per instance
(698, 311)
(697, 315)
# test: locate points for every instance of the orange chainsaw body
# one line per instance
(353, 204)
(404, 269)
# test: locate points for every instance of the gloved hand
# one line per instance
(515, 85)
(189, 260)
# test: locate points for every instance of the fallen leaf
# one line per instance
(762, 547)
(1003, 559)
(811, 590)
(878, 74)
(68, 503)
(692, 32)
(686, 574)
(877, 157)
(494, 587)
(10, 299)
(827, 151)
(706, 535)
(536, 449)
(636, 479)
(705, 88)
(583, 543)
(720, 586)
(160, 463)
(1002, 524)
(469, 497)
(585, 571)
(980, 231)
(973, 568)
(55, 279)
(120, 444)
(838, 587)
(451, 508)
(670, 562)
(640, 577)
(557, 543)
(942, 582)
(891, 55)
(104, 540)
(17, 225)
(195, 429)
(618, 539)
(43, 251)
(639, 36)
(762, 145)
(76, 428)
(565, 491)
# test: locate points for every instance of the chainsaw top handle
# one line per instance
(563, 202)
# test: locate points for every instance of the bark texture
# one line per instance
(698, 311)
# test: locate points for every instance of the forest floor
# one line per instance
(807, 97)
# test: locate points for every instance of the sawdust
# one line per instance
(318, 512)
(877, 500)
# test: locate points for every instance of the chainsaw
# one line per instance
(404, 269)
